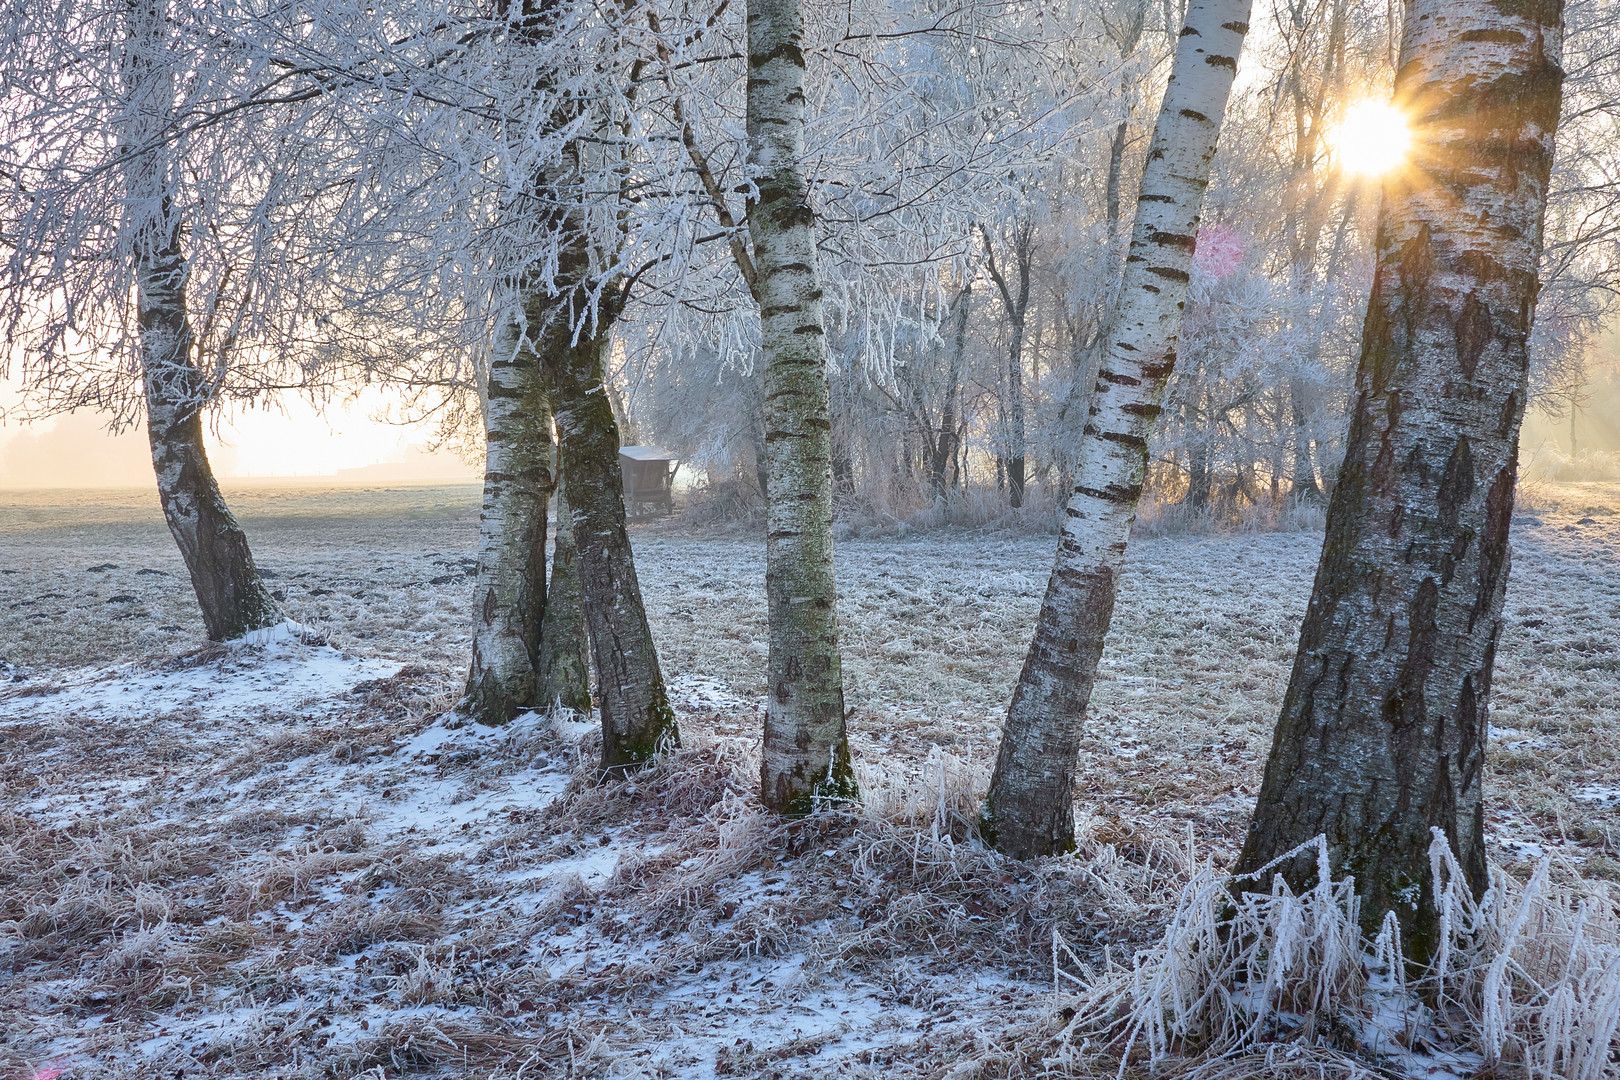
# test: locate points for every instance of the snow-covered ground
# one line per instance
(275, 859)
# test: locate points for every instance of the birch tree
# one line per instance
(135, 266)
(230, 592)
(509, 600)
(483, 163)
(563, 673)
(1383, 728)
(806, 751)
(1030, 810)
(569, 319)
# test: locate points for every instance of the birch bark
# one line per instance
(570, 341)
(229, 590)
(1383, 728)
(1030, 810)
(510, 598)
(564, 672)
(806, 750)
(636, 715)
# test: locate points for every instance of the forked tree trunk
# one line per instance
(563, 671)
(806, 751)
(1030, 810)
(229, 590)
(1383, 728)
(571, 343)
(636, 716)
(510, 598)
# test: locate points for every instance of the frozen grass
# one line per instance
(271, 860)
(1526, 982)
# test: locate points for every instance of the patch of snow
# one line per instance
(278, 675)
(700, 694)
(284, 631)
(1602, 794)
(1402, 1030)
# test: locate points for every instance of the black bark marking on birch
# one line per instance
(1473, 333)
(1456, 484)
(786, 50)
(1180, 240)
(1171, 273)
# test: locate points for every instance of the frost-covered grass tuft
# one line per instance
(1527, 978)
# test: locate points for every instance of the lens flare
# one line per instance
(1371, 139)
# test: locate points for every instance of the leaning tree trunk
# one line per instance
(229, 590)
(1383, 728)
(563, 671)
(636, 716)
(510, 599)
(1030, 810)
(806, 752)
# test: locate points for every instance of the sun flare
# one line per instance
(1371, 139)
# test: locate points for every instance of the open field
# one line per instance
(274, 860)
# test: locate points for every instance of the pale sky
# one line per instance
(292, 440)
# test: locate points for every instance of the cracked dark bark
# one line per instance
(1383, 728)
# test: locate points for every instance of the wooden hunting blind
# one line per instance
(649, 480)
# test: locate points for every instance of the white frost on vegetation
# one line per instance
(1527, 977)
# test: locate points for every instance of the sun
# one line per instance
(1371, 139)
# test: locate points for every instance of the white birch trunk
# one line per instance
(510, 598)
(1383, 728)
(228, 587)
(563, 671)
(1031, 805)
(806, 751)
